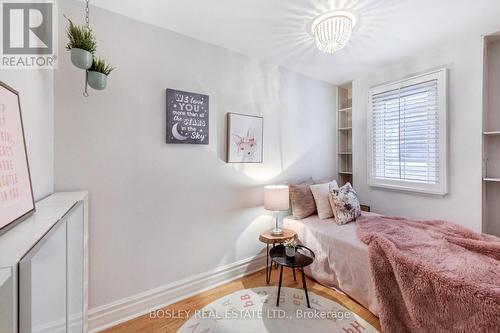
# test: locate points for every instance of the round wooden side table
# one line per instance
(267, 238)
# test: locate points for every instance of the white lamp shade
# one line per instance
(276, 198)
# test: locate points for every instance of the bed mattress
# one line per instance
(341, 258)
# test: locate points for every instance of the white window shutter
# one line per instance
(407, 144)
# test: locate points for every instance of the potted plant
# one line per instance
(82, 44)
(98, 73)
(290, 248)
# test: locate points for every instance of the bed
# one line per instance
(341, 258)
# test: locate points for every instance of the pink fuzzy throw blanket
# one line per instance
(433, 276)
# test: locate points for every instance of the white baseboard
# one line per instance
(112, 314)
(59, 326)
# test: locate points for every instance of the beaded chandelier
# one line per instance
(333, 30)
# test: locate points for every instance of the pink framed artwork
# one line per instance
(245, 138)
(16, 193)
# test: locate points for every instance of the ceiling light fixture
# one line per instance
(333, 30)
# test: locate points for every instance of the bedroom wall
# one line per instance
(36, 90)
(159, 212)
(463, 203)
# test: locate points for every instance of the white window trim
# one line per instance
(440, 188)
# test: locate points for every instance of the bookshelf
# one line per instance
(491, 135)
(344, 133)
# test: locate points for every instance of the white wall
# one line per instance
(36, 90)
(463, 203)
(158, 212)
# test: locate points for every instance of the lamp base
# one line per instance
(276, 232)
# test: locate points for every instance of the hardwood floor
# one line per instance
(145, 324)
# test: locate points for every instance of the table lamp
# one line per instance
(276, 200)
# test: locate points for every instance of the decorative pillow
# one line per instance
(302, 200)
(345, 204)
(321, 192)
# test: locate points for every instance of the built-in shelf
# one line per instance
(491, 136)
(344, 133)
(491, 179)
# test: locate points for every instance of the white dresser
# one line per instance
(44, 268)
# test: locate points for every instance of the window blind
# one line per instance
(405, 133)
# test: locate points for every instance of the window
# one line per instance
(407, 148)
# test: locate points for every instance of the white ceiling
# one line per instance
(275, 30)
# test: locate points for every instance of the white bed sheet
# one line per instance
(341, 258)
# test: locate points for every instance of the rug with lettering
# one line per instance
(254, 311)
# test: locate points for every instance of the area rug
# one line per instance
(254, 311)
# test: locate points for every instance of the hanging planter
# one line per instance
(81, 44)
(98, 74)
(81, 58)
(97, 80)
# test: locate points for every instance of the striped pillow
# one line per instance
(302, 200)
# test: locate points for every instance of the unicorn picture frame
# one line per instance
(245, 138)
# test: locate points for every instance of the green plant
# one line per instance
(80, 37)
(289, 243)
(99, 65)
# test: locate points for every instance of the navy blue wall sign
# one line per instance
(187, 117)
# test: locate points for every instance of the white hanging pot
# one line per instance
(81, 58)
(97, 80)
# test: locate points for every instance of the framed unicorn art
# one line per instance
(245, 138)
